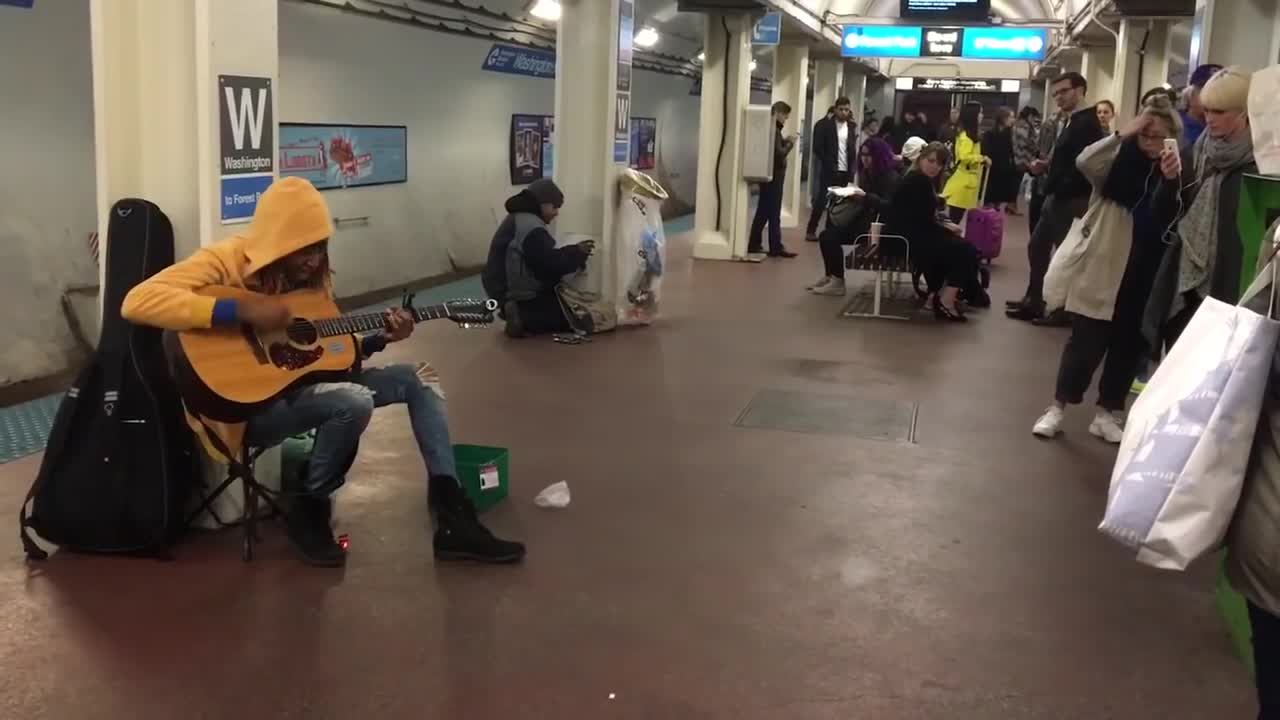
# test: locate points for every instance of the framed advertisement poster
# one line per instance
(343, 156)
(644, 143)
(532, 148)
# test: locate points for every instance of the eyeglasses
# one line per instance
(1153, 137)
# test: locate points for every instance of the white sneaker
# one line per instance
(1106, 425)
(819, 284)
(1049, 424)
(755, 257)
(835, 288)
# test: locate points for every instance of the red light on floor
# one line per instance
(344, 542)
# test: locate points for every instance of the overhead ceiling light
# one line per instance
(753, 65)
(548, 10)
(646, 38)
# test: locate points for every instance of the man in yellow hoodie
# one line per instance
(285, 249)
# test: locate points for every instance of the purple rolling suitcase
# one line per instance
(984, 226)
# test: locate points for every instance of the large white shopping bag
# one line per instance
(1187, 441)
(1065, 265)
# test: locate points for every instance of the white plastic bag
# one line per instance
(555, 495)
(640, 248)
(1066, 264)
(1264, 119)
(1186, 446)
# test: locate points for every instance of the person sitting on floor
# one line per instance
(285, 249)
(525, 266)
(948, 263)
(877, 178)
(1106, 290)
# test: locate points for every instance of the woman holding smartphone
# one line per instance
(1106, 293)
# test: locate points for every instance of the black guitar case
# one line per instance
(121, 462)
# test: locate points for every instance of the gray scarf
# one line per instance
(1214, 158)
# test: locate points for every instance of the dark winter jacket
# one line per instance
(1065, 180)
(544, 263)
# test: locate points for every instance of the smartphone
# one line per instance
(1171, 144)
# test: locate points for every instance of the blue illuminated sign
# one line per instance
(993, 43)
(880, 41)
(973, 43)
(768, 31)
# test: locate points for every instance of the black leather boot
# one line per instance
(309, 526)
(459, 533)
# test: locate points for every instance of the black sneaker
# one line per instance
(309, 526)
(1028, 311)
(459, 533)
(1057, 318)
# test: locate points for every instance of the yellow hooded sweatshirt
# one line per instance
(290, 215)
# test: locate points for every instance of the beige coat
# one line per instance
(1253, 542)
(1106, 232)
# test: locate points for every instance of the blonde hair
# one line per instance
(1227, 90)
(1160, 107)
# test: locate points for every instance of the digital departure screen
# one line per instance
(972, 10)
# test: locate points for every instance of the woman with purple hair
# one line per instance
(877, 178)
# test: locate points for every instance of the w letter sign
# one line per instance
(248, 143)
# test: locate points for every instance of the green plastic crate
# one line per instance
(483, 472)
(1234, 612)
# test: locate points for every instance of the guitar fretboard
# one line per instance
(368, 322)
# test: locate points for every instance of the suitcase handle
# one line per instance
(986, 178)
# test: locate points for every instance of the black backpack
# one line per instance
(121, 463)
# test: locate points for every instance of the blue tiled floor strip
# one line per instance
(24, 428)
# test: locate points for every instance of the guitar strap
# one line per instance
(56, 445)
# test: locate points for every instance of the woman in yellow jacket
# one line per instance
(961, 191)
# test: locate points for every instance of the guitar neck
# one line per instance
(368, 322)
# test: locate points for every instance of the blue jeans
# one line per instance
(339, 412)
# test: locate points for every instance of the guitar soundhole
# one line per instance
(302, 332)
(292, 358)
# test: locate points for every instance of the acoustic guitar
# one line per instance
(230, 374)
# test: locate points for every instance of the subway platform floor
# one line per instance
(721, 558)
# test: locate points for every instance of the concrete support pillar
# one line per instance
(1235, 32)
(1155, 65)
(1142, 62)
(158, 125)
(828, 78)
(721, 223)
(790, 81)
(593, 109)
(1098, 67)
(156, 102)
(855, 88)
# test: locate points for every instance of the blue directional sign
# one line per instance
(991, 43)
(768, 31)
(971, 43)
(881, 41)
